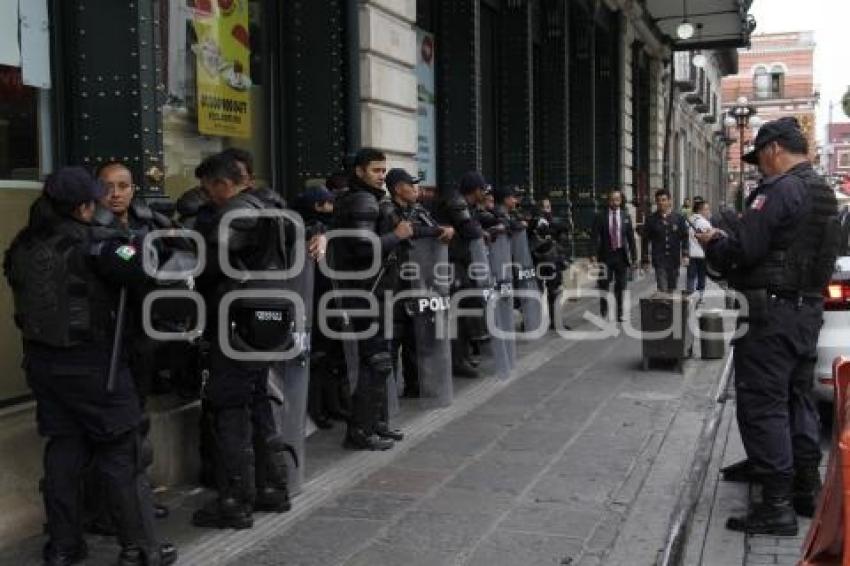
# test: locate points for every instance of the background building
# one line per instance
(837, 150)
(776, 76)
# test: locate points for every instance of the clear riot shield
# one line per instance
(525, 279)
(344, 325)
(429, 310)
(503, 347)
(292, 380)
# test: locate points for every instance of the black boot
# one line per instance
(132, 555)
(807, 487)
(462, 368)
(337, 395)
(383, 430)
(315, 400)
(773, 516)
(739, 472)
(228, 511)
(65, 556)
(357, 439)
(272, 478)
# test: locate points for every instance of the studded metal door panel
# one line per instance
(516, 122)
(459, 88)
(112, 83)
(555, 98)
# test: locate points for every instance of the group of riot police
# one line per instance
(382, 293)
(102, 281)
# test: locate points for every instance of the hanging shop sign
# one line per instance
(223, 54)
(426, 155)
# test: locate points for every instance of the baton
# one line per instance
(116, 341)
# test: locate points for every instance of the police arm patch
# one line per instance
(758, 203)
(126, 252)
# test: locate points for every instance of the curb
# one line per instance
(672, 554)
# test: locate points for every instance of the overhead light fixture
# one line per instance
(700, 60)
(686, 29)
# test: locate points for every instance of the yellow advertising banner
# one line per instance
(223, 54)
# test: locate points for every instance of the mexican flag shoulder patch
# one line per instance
(126, 252)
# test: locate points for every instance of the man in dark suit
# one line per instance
(614, 244)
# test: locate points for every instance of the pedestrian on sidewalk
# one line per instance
(613, 242)
(780, 254)
(699, 221)
(666, 242)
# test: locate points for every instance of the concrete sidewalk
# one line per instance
(577, 459)
(710, 543)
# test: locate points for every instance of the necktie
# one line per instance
(615, 232)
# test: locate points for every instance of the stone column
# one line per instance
(388, 88)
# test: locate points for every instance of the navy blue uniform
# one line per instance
(82, 418)
(774, 360)
(667, 238)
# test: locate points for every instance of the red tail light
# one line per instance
(837, 296)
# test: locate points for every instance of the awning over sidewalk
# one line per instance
(715, 23)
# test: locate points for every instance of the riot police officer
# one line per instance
(134, 215)
(547, 237)
(249, 453)
(329, 393)
(65, 270)
(460, 209)
(402, 206)
(780, 255)
(357, 209)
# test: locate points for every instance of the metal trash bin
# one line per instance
(712, 347)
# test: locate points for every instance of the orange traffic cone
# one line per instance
(828, 539)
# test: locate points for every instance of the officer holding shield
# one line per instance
(402, 205)
(250, 454)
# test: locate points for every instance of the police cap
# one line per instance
(74, 186)
(787, 129)
(396, 176)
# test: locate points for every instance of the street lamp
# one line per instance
(742, 115)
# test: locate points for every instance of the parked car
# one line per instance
(834, 338)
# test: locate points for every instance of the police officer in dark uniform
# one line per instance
(357, 209)
(250, 454)
(66, 269)
(135, 216)
(460, 209)
(665, 235)
(402, 206)
(780, 255)
(549, 242)
(329, 393)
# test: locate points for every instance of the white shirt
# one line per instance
(695, 249)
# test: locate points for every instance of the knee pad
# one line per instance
(277, 449)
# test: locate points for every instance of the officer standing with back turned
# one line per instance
(66, 269)
(780, 256)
